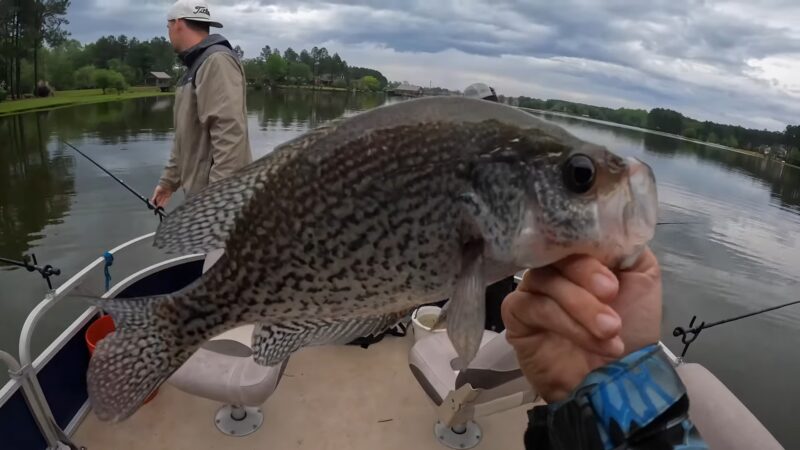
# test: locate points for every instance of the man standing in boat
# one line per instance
(211, 136)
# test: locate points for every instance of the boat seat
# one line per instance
(721, 418)
(492, 383)
(223, 370)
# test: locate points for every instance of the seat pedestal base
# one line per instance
(238, 420)
(459, 437)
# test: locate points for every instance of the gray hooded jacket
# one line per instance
(210, 116)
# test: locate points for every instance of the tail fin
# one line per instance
(132, 362)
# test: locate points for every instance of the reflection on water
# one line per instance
(284, 114)
(737, 252)
(34, 185)
(37, 172)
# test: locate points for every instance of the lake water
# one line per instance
(736, 251)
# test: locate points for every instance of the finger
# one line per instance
(647, 263)
(526, 314)
(552, 364)
(586, 309)
(590, 274)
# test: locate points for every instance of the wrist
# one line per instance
(166, 186)
(619, 402)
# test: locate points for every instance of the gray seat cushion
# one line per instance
(494, 370)
(223, 370)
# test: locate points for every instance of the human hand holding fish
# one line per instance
(576, 315)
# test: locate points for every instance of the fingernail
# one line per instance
(603, 285)
(606, 323)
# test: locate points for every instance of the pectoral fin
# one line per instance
(466, 311)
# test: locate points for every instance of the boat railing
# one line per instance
(31, 394)
(90, 281)
(139, 260)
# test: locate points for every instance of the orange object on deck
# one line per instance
(99, 329)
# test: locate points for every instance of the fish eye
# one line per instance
(578, 173)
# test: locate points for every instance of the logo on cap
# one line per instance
(201, 10)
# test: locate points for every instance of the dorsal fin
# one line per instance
(204, 222)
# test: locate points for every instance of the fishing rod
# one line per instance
(46, 271)
(688, 336)
(678, 223)
(157, 209)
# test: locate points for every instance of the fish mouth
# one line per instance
(641, 212)
(628, 261)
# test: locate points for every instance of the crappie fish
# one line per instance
(341, 232)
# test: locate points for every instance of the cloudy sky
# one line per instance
(727, 61)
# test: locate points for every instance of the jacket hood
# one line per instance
(189, 56)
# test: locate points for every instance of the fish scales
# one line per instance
(395, 212)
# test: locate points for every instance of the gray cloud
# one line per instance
(720, 61)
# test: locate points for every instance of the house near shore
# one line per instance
(406, 90)
(777, 151)
(324, 80)
(160, 80)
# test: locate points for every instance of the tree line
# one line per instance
(316, 66)
(669, 121)
(25, 27)
(111, 61)
(118, 62)
(35, 47)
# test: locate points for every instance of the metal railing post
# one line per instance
(32, 395)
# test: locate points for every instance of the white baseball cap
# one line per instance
(196, 10)
(479, 91)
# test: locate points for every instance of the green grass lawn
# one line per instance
(71, 98)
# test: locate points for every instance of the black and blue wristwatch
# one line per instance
(636, 402)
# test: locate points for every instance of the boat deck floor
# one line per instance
(336, 398)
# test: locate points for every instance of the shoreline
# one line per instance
(323, 88)
(65, 99)
(660, 133)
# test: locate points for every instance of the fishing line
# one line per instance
(688, 336)
(157, 209)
